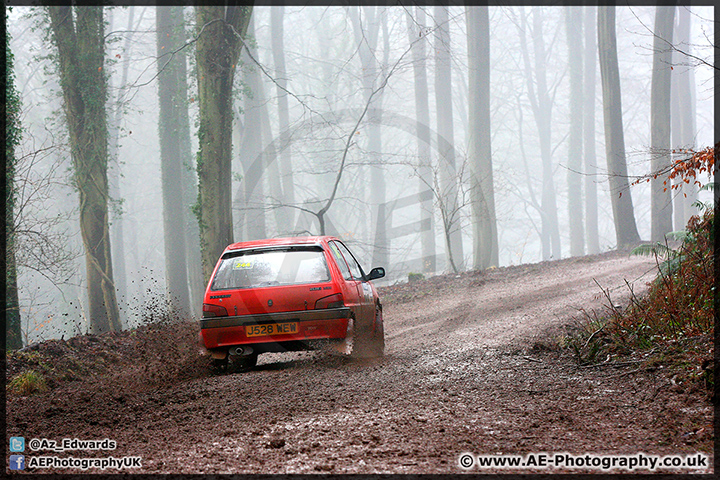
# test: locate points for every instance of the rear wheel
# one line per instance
(218, 366)
(379, 334)
(369, 340)
(245, 362)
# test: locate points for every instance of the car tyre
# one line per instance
(378, 341)
(369, 340)
(245, 362)
(218, 366)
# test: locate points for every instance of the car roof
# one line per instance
(271, 242)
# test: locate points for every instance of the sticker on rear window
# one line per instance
(242, 265)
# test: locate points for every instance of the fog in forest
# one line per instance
(389, 124)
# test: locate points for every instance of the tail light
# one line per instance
(331, 301)
(210, 311)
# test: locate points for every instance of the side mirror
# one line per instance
(377, 272)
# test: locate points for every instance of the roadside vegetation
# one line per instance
(671, 327)
(166, 349)
(27, 383)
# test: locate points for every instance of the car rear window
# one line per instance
(266, 268)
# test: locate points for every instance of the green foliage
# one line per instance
(672, 257)
(13, 135)
(585, 343)
(707, 187)
(196, 208)
(197, 211)
(674, 322)
(27, 383)
(703, 206)
(414, 277)
(13, 130)
(680, 300)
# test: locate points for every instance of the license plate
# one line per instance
(271, 329)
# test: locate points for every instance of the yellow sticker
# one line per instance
(240, 265)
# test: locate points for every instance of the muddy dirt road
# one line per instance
(472, 365)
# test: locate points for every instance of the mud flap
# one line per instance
(345, 346)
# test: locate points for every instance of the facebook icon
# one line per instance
(17, 462)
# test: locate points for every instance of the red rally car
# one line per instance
(289, 294)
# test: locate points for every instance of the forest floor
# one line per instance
(475, 363)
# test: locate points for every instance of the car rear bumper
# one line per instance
(311, 324)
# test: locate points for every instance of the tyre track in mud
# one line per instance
(504, 309)
(467, 370)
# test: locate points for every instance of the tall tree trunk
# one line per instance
(482, 196)
(81, 53)
(542, 104)
(623, 214)
(590, 69)
(446, 140)
(170, 38)
(377, 194)
(238, 201)
(325, 44)
(282, 218)
(683, 115)
(544, 122)
(251, 147)
(282, 225)
(188, 172)
(422, 131)
(573, 24)
(12, 108)
(366, 33)
(660, 187)
(217, 52)
(116, 218)
(285, 150)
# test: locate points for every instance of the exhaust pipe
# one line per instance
(241, 351)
